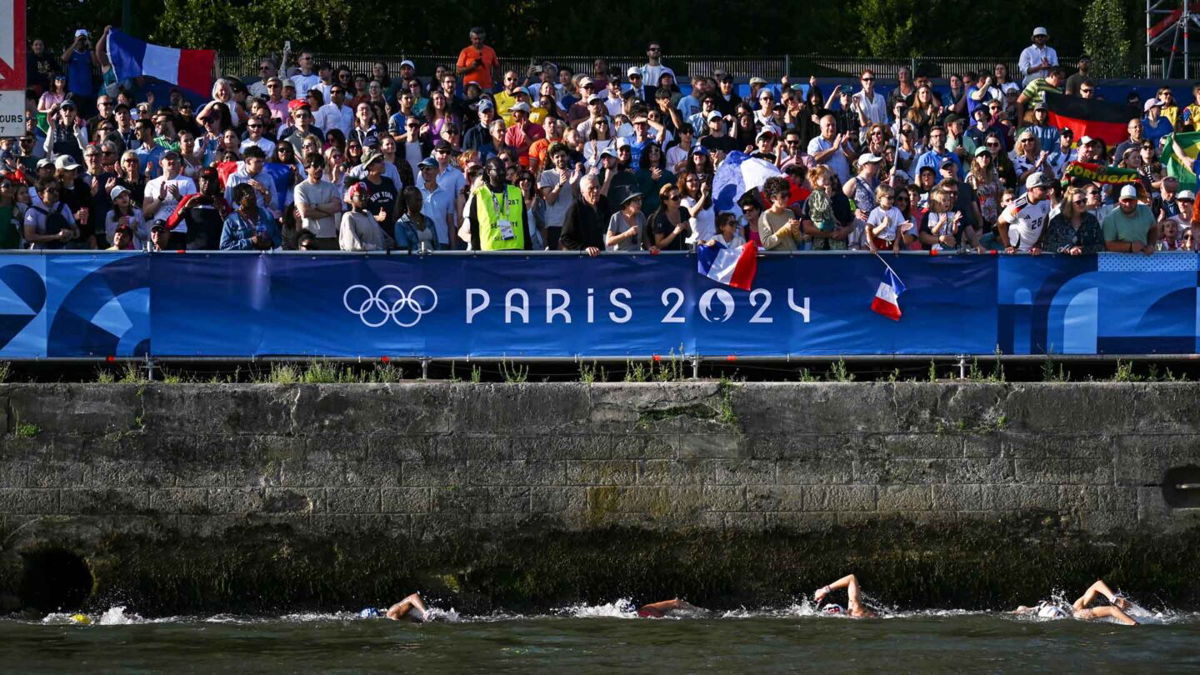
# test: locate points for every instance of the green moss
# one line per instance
(26, 430)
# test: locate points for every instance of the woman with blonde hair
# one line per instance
(222, 92)
(1074, 231)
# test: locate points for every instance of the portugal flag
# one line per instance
(1089, 117)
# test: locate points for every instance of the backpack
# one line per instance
(54, 223)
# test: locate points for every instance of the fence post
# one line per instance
(787, 65)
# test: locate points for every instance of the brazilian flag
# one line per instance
(1181, 167)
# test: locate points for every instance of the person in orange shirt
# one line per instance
(478, 62)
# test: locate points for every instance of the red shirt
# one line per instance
(481, 74)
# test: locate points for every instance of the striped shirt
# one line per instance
(1036, 90)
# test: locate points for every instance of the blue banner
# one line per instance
(99, 305)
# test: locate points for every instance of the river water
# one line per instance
(599, 639)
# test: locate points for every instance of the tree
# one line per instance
(1106, 39)
(888, 27)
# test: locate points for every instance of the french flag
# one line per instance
(887, 296)
(190, 69)
(734, 267)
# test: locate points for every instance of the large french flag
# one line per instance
(190, 69)
(734, 267)
(887, 296)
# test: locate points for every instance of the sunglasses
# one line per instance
(1086, 91)
(868, 79)
(1078, 201)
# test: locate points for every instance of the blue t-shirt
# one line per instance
(150, 156)
(1156, 133)
(932, 159)
(79, 74)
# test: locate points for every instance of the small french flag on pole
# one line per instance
(887, 296)
(734, 267)
(191, 69)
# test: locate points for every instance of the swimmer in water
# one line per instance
(408, 609)
(672, 607)
(853, 598)
(1081, 611)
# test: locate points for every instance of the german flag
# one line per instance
(1089, 117)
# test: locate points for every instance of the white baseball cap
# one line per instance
(1040, 30)
(1128, 192)
(633, 70)
(1038, 179)
(1185, 194)
(81, 32)
(869, 158)
(1152, 103)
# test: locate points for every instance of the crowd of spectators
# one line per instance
(471, 156)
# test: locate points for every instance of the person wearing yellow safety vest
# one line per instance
(497, 213)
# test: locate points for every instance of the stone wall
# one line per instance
(180, 496)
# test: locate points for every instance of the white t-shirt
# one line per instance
(556, 213)
(1026, 221)
(704, 225)
(677, 154)
(264, 143)
(304, 83)
(185, 185)
(894, 218)
(316, 195)
(412, 152)
(875, 109)
(329, 116)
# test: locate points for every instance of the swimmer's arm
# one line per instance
(663, 606)
(845, 582)
(1090, 595)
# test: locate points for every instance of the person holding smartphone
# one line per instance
(478, 62)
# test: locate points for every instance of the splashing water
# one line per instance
(116, 616)
(620, 609)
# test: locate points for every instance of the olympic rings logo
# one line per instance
(405, 309)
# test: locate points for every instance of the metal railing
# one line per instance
(742, 68)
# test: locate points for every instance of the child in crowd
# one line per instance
(728, 232)
(941, 224)
(820, 212)
(885, 222)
